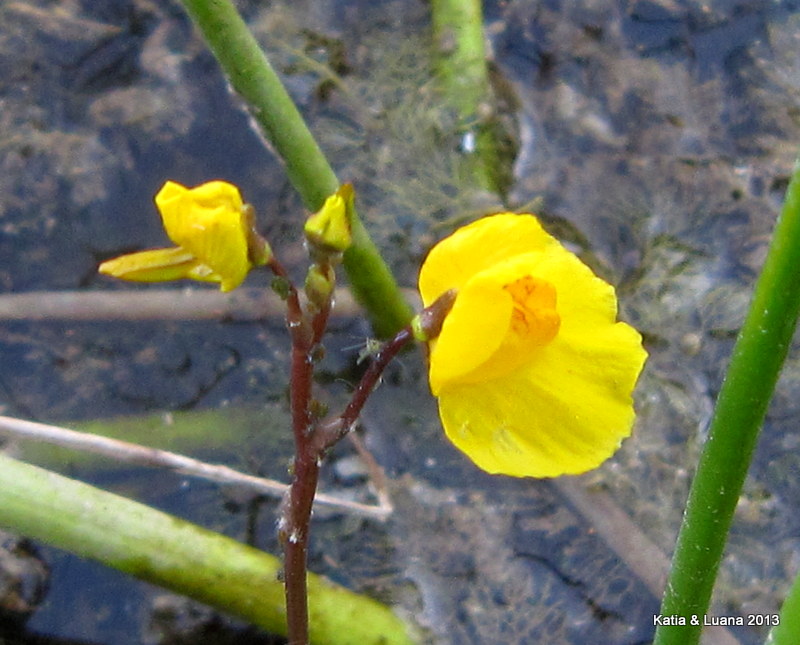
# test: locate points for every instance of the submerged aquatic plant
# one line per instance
(532, 371)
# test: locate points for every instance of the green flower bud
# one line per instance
(320, 282)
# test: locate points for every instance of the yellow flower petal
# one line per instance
(468, 340)
(209, 222)
(533, 375)
(157, 265)
(501, 317)
(564, 413)
(479, 246)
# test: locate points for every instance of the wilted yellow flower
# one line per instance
(214, 234)
(532, 372)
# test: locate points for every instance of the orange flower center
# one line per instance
(534, 319)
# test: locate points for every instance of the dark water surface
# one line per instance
(656, 137)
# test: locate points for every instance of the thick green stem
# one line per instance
(461, 56)
(256, 81)
(181, 556)
(253, 77)
(464, 80)
(373, 285)
(756, 362)
(787, 630)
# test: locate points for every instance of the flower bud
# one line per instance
(328, 230)
(427, 324)
(319, 285)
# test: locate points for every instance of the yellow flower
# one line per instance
(214, 234)
(532, 372)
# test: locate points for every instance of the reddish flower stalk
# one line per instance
(427, 324)
(330, 432)
(293, 524)
(306, 329)
(312, 437)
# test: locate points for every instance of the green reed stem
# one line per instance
(755, 364)
(787, 631)
(463, 77)
(461, 64)
(254, 78)
(181, 556)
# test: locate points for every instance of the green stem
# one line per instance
(787, 631)
(755, 364)
(373, 285)
(181, 556)
(461, 61)
(253, 77)
(464, 80)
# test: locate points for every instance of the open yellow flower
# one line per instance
(214, 234)
(532, 372)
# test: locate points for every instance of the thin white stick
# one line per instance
(143, 456)
(191, 303)
(155, 304)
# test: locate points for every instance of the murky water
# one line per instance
(654, 137)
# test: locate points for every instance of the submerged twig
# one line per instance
(153, 457)
(642, 556)
(157, 304)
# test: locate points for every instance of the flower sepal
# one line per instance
(259, 251)
(427, 324)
